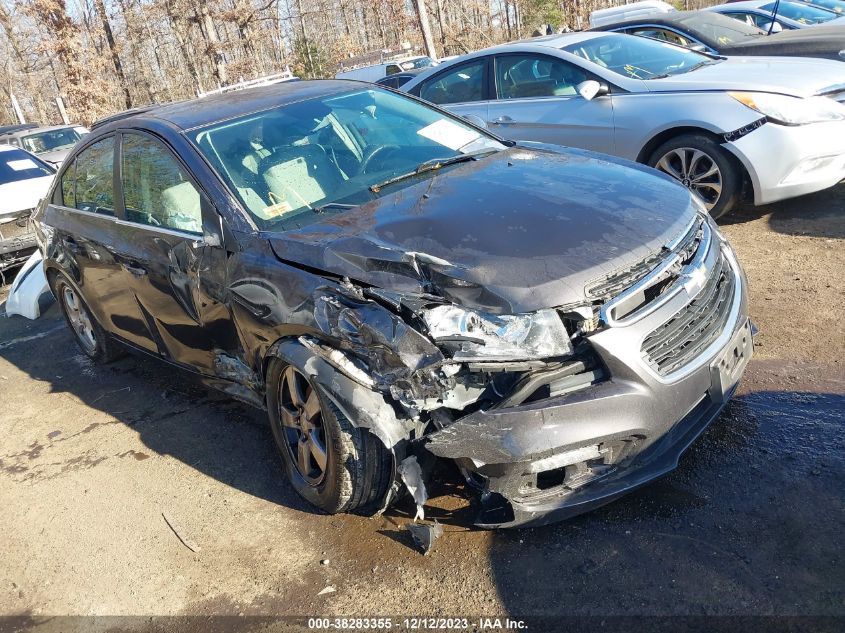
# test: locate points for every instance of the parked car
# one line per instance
(632, 10)
(399, 79)
(717, 34)
(24, 179)
(718, 125)
(394, 284)
(790, 15)
(385, 68)
(50, 143)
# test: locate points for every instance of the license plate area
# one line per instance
(727, 369)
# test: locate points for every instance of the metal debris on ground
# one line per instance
(326, 590)
(425, 535)
(191, 545)
(412, 476)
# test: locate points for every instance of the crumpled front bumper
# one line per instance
(554, 458)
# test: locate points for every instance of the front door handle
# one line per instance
(134, 269)
(502, 120)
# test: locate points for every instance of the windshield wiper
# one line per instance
(332, 205)
(431, 165)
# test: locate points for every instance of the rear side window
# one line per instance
(88, 184)
(156, 190)
(459, 85)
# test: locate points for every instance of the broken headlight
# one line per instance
(471, 335)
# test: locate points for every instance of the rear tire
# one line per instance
(92, 339)
(355, 471)
(704, 167)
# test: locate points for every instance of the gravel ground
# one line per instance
(92, 458)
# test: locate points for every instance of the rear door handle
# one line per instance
(134, 269)
(502, 119)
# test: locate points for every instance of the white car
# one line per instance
(771, 126)
(24, 180)
(374, 72)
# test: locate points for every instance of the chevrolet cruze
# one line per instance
(394, 286)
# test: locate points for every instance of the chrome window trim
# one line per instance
(135, 225)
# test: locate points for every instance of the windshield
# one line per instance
(17, 165)
(284, 164)
(837, 6)
(638, 57)
(421, 62)
(800, 12)
(721, 29)
(51, 140)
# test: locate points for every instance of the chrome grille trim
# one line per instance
(693, 329)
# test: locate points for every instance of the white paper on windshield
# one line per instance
(449, 134)
(22, 164)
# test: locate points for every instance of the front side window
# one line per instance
(17, 165)
(639, 57)
(292, 164)
(51, 140)
(459, 85)
(530, 75)
(156, 190)
(92, 178)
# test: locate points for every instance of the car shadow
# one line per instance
(173, 413)
(748, 524)
(819, 214)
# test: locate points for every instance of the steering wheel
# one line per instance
(370, 154)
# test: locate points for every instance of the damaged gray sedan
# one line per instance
(395, 285)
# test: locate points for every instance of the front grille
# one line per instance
(620, 280)
(689, 332)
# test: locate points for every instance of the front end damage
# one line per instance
(550, 414)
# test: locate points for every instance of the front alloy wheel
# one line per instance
(704, 167)
(302, 419)
(696, 171)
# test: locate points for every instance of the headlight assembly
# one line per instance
(473, 335)
(791, 110)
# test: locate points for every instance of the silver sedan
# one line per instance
(772, 127)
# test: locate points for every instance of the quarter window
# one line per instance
(525, 76)
(459, 85)
(156, 190)
(88, 184)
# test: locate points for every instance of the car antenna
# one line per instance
(774, 15)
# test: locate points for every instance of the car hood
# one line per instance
(791, 76)
(22, 194)
(56, 156)
(824, 41)
(521, 230)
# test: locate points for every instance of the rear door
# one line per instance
(464, 89)
(537, 100)
(163, 257)
(83, 214)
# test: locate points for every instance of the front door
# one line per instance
(537, 100)
(165, 262)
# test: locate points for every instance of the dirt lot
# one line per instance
(751, 523)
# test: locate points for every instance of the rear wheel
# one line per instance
(702, 166)
(331, 463)
(91, 338)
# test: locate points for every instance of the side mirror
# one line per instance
(477, 121)
(775, 28)
(698, 48)
(213, 227)
(591, 89)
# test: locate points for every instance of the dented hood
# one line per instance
(521, 230)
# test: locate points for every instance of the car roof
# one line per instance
(6, 148)
(746, 4)
(675, 18)
(220, 107)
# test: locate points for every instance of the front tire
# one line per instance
(704, 167)
(331, 463)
